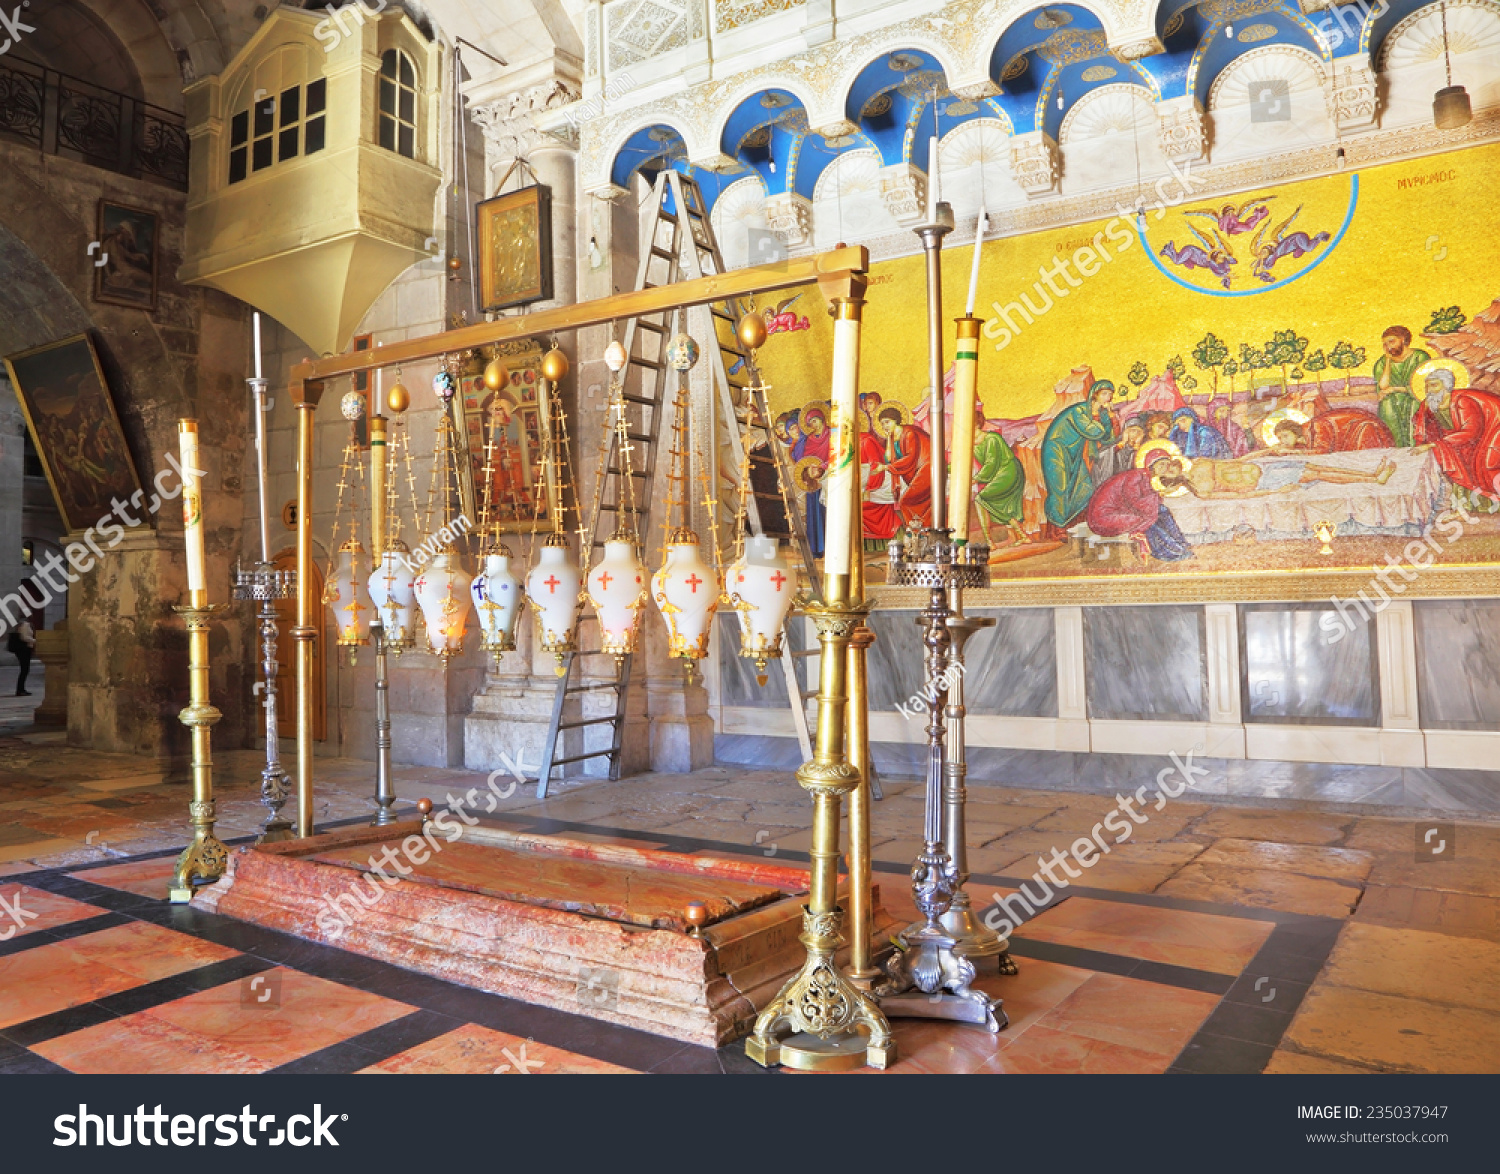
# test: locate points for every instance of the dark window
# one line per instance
(283, 127)
(397, 99)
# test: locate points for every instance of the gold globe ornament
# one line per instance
(554, 366)
(398, 398)
(752, 330)
(496, 375)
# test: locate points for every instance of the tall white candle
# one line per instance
(934, 182)
(192, 509)
(838, 535)
(257, 343)
(979, 231)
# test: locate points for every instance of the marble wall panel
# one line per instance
(1302, 665)
(1458, 663)
(1145, 663)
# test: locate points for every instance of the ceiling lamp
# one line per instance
(1451, 108)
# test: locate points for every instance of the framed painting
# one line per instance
(504, 438)
(1289, 392)
(75, 428)
(125, 263)
(515, 247)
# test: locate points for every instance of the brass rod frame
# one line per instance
(831, 269)
(306, 396)
(820, 1020)
(862, 970)
(839, 272)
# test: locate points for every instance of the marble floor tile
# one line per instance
(1289, 1063)
(1160, 1021)
(1395, 1034)
(1341, 864)
(475, 1050)
(36, 909)
(1263, 889)
(1282, 827)
(1460, 914)
(1043, 1050)
(146, 878)
(1435, 968)
(1201, 941)
(143, 1044)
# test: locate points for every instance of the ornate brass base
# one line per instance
(972, 938)
(832, 1025)
(204, 859)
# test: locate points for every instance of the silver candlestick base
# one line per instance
(266, 585)
(930, 974)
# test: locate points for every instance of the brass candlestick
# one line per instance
(820, 1020)
(202, 860)
(305, 394)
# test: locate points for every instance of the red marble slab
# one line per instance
(632, 895)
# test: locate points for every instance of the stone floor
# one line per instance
(1218, 938)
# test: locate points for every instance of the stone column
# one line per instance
(1226, 738)
(1072, 695)
(1401, 741)
(507, 726)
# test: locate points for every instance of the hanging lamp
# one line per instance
(1451, 107)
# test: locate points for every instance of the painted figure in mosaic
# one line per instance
(1337, 430)
(908, 454)
(1069, 451)
(1131, 503)
(812, 457)
(881, 521)
(1121, 455)
(1232, 221)
(1216, 258)
(999, 483)
(1393, 372)
(1470, 453)
(1283, 244)
(1197, 439)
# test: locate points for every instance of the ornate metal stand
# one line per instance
(820, 1010)
(929, 975)
(202, 861)
(385, 791)
(266, 585)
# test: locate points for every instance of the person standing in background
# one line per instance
(22, 642)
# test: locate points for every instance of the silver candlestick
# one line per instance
(385, 792)
(929, 975)
(266, 584)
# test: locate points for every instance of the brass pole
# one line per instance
(306, 396)
(832, 1023)
(204, 858)
(861, 970)
(378, 464)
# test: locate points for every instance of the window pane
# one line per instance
(239, 129)
(408, 106)
(388, 63)
(317, 96)
(406, 141)
(265, 117)
(387, 98)
(237, 165)
(314, 137)
(291, 105)
(408, 78)
(387, 134)
(262, 153)
(288, 143)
